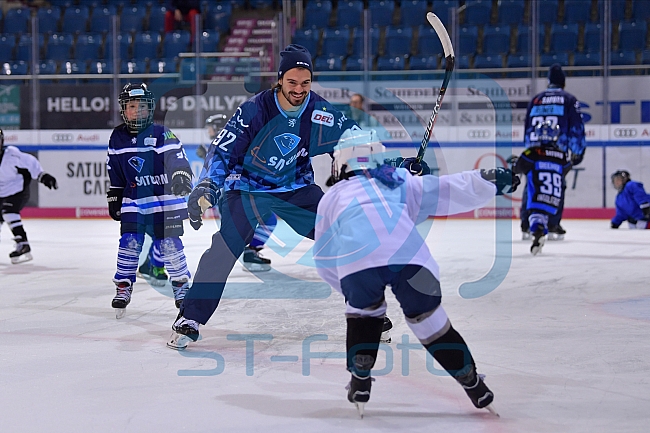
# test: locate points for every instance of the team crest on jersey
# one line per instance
(137, 163)
(292, 123)
(323, 118)
(286, 142)
(150, 141)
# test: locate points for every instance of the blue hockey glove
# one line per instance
(416, 168)
(181, 183)
(504, 179)
(204, 196)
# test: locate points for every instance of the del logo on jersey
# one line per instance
(322, 118)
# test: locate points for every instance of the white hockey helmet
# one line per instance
(357, 149)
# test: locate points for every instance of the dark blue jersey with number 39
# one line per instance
(545, 168)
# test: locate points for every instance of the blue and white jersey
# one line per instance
(545, 169)
(630, 201)
(143, 165)
(262, 148)
(560, 108)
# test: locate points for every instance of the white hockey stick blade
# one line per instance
(439, 27)
(492, 410)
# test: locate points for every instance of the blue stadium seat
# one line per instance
(349, 13)
(47, 67)
(145, 45)
(48, 19)
(576, 11)
(478, 12)
(518, 61)
(14, 68)
(326, 63)
(593, 37)
(623, 58)
(381, 12)
(175, 43)
(358, 43)
(398, 41)
(88, 47)
(468, 36)
(428, 42)
(162, 66)
(261, 4)
(317, 14)
(73, 67)
(124, 43)
(24, 47)
(496, 40)
(616, 9)
(548, 11)
(100, 22)
(156, 21)
(218, 17)
(133, 67)
(308, 38)
(132, 19)
(511, 12)
(7, 44)
(483, 61)
(548, 59)
(59, 47)
(441, 9)
(424, 63)
(413, 13)
(564, 37)
(101, 67)
(387, 63)
(463, 61)
(632, 36)
(335, 42)
(16, 20)
(640, 10)
(209, 41)
(645, 57)
(354, 63)
(75, 19)
(587, 59)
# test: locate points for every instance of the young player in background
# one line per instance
(366, 239)
(17, 169)
(149, 173)
(545, 167)
(561, 108)
(632, 202)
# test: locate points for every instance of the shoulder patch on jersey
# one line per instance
(323, 118)
(286, 142)
(150, 141)
(137, 163)
(168, 135)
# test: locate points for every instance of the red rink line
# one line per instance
(102, 212)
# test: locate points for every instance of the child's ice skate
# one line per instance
(22, 253)
(122, 298)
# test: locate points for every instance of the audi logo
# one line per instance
(478, 133)
(62, 138)
(624, 132)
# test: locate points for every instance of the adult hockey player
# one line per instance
(149, 173)
(632, 202)
(563, 109)
(17, 169)
(545, 167)
(262, 163)
(366, 239)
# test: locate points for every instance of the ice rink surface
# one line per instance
(564, 340)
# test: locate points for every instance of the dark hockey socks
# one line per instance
(362, 343)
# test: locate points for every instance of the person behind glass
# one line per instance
(561, 108)
(632, 202)
(359, 114)
(180, 11)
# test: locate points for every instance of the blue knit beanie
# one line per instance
(556, 75)
(294, 56)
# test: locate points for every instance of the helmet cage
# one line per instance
(144, 96)
(624, 175)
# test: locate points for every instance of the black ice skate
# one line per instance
(538, 241)
(185, 330)
(385, 334)
(254, 262)
(156, 276)
(22, 253)
(556, 233)
(359, 391)
(477, 391)
(122, 298)
(526, 236)
(180, 288)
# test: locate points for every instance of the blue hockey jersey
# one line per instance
(545, 168)
(560, 108)
(629, 202)
(143, 165)
(261, 148)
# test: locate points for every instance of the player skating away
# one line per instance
(545, 167)
(149, 173)
(366, 239)
(17, 169)
(632, 202)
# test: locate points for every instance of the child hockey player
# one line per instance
(148, 171)
(366, 239)
(632, 202)
(16, 172)
(545, 167)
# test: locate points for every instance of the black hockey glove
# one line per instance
(48, 180)
(114, 198)
(645, 208)
(414, 167)
(512, 161)
(504, 179)
(577, 158)
(203, 197)
(614, 225)
(181, 183)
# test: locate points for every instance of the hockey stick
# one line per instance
(449, 67)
